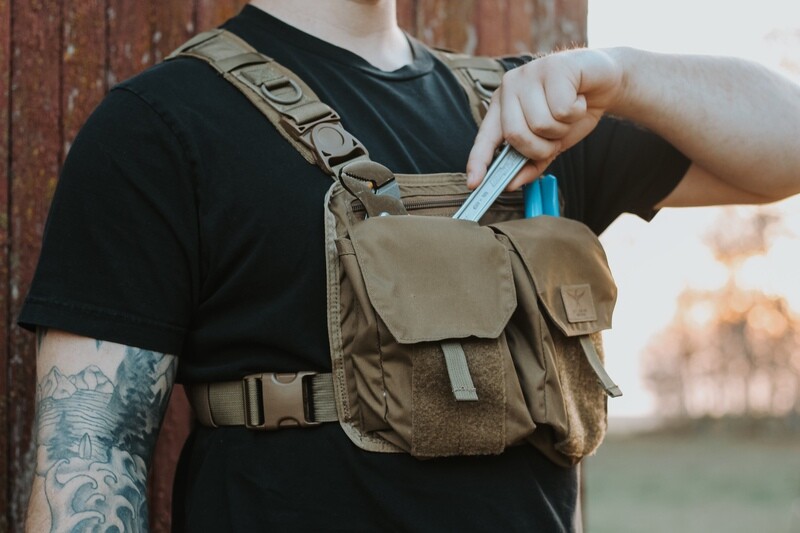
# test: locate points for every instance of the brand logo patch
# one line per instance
(578, 302)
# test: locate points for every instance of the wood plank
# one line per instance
(545, 30)
(212, 13)
(447, 24)
(5, 87)
(559, 23)
(573, 16)
(174, 24)
(84, 64)
(175, 429)
(407, 15)
(491, 25)
(130, 30)
(36, 143)
(520, 26)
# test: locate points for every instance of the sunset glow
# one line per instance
(654, 262)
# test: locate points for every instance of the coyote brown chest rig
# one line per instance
(446, 337)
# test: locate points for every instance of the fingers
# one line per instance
(510, 119)
(489, 137)
(529, 173)
(541, 109)
(533, 134)
(548, 112)
(564, 103)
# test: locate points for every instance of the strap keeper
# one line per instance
(299, 119)
(197, 40)
(241, 60)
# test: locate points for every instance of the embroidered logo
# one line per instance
(578, 303)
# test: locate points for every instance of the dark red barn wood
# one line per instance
(57, 60)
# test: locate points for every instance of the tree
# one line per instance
(730, 351)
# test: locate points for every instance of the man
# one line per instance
(185, 228)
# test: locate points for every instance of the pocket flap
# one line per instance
(569, 269)
(433, 278)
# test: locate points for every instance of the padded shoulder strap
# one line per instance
(311, 126)
(479, 76)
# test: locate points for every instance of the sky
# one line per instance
(653, 262)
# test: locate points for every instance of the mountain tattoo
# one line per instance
(95, 434)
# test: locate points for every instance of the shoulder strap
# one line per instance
(311, 126)
(479, 77)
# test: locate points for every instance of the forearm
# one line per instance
(99, 408)
(735, 119)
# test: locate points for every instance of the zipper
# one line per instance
(506, 200)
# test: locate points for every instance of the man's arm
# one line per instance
(99, 409)
(738, 122)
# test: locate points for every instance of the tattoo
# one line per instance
(95, 437)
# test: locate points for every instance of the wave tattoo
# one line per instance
(95, 434)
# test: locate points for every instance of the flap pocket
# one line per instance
(433, 278)
(569, 270)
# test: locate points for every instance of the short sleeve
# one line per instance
(628, 169)
(618, 168)
(119, 258)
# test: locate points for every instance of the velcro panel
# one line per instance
(443, 426)
(584, 402)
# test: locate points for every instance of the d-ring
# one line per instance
(268, 87)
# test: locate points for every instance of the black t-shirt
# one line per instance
(184, 223)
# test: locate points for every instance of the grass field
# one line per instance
(692, 483)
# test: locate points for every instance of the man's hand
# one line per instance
(545, 107)
(737, 121)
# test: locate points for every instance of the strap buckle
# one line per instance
(277, 400)
(332, 145)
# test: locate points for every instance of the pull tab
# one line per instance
(608, 384)
(458, 370)
(375, 186)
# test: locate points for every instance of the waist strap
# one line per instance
(265, 401)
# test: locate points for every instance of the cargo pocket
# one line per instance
(424, 305)
(566, 297)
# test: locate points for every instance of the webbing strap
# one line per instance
(312, 127)
(265, 401)
(592, 356)
(478, 76)
(458, 370)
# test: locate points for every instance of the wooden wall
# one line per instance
(57, 60)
